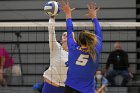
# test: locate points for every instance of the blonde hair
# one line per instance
(89, 40)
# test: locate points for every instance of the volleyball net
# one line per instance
(31, 38)
(126, 25)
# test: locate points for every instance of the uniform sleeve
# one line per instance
(98, 33)
(54, 45)
(71, 42)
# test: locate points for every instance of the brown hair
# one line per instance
(89, 40)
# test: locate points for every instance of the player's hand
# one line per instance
(65, 7)
(92, 10)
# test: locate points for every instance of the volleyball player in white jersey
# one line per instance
(55, 75)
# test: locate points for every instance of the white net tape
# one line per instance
(75, 24)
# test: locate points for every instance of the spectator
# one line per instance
(100, 82)
(119, 59)
(5, 63)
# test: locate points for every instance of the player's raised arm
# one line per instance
(67, 11)
(54, 45)
(92, 13)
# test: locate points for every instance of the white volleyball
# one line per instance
(52, 8)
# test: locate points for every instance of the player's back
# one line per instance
(81, 70)
(81, 63)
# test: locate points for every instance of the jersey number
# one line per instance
(82, 60)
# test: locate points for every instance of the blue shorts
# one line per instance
(48, 88)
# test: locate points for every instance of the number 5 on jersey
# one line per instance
(82, 60)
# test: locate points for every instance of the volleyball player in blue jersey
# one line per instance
(83, 56)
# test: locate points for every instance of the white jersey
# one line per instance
(57, 69)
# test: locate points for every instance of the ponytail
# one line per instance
(91, 46)
(90, 40)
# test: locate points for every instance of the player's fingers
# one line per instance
(88, 6)
(93, 4)
(73, 9)
(62, 2)
(98, 8)
(68, 2)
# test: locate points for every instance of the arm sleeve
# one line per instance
(70, 38)
(54, 45)
(98, 34)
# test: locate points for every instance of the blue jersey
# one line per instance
(81, 66)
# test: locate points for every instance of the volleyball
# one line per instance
(52, 8)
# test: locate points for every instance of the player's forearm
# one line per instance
(52, 36)
(51, 26)
(69, 26)
(70, 34)
(98, 31)
(98, 35)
